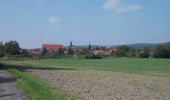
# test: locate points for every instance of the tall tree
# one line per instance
(70, 51)
(12, 48)
(122, 51)
(97, 48)
(162, 51)
(145, 53)
(60, 52)
(1, 49)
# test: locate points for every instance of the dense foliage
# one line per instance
(9, 48)
(162, 51)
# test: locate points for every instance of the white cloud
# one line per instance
(116, 6)
(54, 19)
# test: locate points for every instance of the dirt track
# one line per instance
(103, 85)
(8, 89)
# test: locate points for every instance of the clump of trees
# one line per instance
(162, 51)
(125, 51)
(9, 48)
(122, 51)
(93, 56)
(1, 49)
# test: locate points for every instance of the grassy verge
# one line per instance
(36, 89)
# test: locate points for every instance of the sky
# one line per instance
(99, 22)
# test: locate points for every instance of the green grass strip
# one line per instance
(36, 89)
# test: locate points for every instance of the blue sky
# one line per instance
(99, 22)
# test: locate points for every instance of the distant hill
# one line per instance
(138, 45)
(135, 45)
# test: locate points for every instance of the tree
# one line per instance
(97, 48)
(12, 48)
(132, 52)
(138, 52)
(44, 52)
(167, 47)
(122, 51)
(1, 49)
(162, 51)
(145, 53)
(24, 52)
(70, 51)
(103, 48)
(60, 52)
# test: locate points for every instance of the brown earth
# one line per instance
(105, 85)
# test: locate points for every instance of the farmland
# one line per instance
(119, 78)
(127, 65)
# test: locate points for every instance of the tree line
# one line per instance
(11, 48)
(160, 51)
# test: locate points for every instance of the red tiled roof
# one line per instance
(34, 52)
(52, 46)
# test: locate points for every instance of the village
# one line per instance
(84, 50)
(61, 49)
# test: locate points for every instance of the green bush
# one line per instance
(92, 56)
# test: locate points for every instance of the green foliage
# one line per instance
(122, 51)
(145, 53)
(70, 51)
(92, 56)
(60, 52)
(162, 51)
(24, 53)
(44, 52)
(36, 57)
(1, 49)
(97, 48)
(12, 48)
(132, 52)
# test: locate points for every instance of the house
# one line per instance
(34, 52)
(113, 50)
(107, 52)
(52, 47)
(97, 52)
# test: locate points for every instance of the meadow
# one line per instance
(127, 65)
(104, 79)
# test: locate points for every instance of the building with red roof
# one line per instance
(33, 52)
(97, 52)
(52, 47)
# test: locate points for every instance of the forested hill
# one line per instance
(139, 45)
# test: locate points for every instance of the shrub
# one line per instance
(92, 56)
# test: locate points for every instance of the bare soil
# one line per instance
(105, 85)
